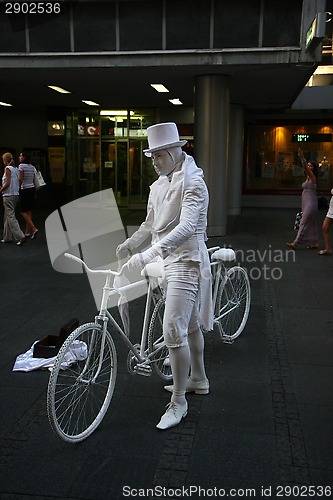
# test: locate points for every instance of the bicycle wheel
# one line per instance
(79, 395)
(158, 351)
(233, 303)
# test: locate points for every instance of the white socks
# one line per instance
(181, 359)
(197, 344)
(180, 365)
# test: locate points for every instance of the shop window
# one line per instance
(187, 27)
(272, 156)
(141, 171)
(108, 153)
(94, 26)
(282, 21)
(50, 32)
(236, 23)
(12, 29)
(140, 25)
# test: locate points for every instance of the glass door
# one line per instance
(114, 168)
(108, 153)
(140, 171)
(85, 154)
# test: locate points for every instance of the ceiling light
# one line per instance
(5, 104)
(59, 89)
(176, 101)
(159, 87)
(113, 112)
(90, 103)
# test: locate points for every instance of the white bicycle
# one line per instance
(83, 378)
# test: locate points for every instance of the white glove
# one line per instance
(139, 260)
(123, 247)
(149, 254)
(135, 262)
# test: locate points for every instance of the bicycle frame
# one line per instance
(140, 351)
(78, 398)
(219, 273)
(142, 356)
(104, 316)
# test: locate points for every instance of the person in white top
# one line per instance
(176, 222)
(27, 193)
(10, 197)
(326, 229)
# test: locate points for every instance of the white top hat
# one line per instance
(162, 136)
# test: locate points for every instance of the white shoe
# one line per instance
(201, 387)
(173, 415)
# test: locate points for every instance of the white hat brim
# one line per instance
(148, 152)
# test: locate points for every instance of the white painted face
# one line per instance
(163, 162)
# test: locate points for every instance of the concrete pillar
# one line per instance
(235, 159)
(211, 123)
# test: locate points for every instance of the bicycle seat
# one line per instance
(224, 254)
(153, 270)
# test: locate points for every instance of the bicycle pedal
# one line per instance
(225, 340)
(143, 369)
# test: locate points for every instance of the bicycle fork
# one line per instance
(91, 351)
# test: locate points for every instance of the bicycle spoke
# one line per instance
(233, 303)
(158, 352)
(78, 397)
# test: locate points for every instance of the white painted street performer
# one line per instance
(176, 222)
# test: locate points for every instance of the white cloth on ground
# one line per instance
(27, 363)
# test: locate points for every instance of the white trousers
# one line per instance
(11, 228)
(181, 315)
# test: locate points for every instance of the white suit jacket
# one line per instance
(176, 221)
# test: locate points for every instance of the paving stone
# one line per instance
(267, 419)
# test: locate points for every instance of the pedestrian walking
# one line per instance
(10, 197)
(308, 231)
(27, 193)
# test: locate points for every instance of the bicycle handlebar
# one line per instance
(95, 271)
(212, 249)
(118, 273)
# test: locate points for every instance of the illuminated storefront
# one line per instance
(104, 150)
(272, 163)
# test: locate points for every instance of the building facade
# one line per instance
(233, 73)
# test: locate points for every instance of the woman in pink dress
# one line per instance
(308, 230)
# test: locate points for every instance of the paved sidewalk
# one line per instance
(266, 425)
